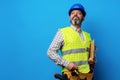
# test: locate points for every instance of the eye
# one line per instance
(72, 12)
(80, 13)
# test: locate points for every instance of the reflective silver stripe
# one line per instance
(80, 50)
(81, 63)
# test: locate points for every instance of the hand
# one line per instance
(90, 60)
(72, 66)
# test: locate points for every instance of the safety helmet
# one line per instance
(77, 7)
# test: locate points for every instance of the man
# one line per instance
(74, 44)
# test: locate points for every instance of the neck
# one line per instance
(77, 26)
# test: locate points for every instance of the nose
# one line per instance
(75, 14)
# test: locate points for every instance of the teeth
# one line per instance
(75, 17)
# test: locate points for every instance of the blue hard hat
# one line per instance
(77, 7)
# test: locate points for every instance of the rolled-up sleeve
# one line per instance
(56, 45)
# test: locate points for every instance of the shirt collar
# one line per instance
(73, 27)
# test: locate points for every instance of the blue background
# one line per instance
(27, 28)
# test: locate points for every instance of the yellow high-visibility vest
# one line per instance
(75, 49)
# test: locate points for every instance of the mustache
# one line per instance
(75, 16)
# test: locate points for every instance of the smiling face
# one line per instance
(76, 17)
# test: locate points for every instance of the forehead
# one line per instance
(76, 11)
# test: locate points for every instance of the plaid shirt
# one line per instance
(57, 44)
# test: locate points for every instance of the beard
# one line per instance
(76, 22)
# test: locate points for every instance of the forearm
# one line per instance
(52, 52)
(53, 55)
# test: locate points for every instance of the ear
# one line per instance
(83, 18)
